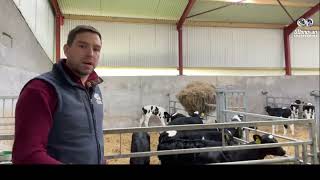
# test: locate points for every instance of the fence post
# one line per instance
(304, 154)
(221, 106)
(316, 94)
(313, 147)
(296, 154)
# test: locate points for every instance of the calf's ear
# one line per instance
(257, 138)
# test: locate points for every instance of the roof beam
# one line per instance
(268, 2)
(58, 24)
(308, 14)
(179, 28)
(288, 30)
(185, 13)
(55, 7)
(234, 25)
(187, 22)
(119, 19)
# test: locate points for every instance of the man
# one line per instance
(59, 114)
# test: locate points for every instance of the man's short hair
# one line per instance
(80, 29)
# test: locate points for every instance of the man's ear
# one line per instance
(66, 49)
(257, 138)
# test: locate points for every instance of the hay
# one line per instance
(198, 96)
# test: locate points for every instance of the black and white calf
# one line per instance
(294, 107)
(153, 110)
(184, 139)
(204, 134)
(217, 156)
(279, 112)
(255, 154)
(308, 111)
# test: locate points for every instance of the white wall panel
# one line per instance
(42, 22)
(28, 10)
(116, 48)
(40, 19)
(232, 47)
(51, 35)
(149, 45)
(17, 2)
(132, 45)
(305, 51)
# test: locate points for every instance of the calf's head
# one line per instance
(268, 138)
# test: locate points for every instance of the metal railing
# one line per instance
(223, 110)
(277, 101)
(293, 142)
(7, 114)
(316, 94)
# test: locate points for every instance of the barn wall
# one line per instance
(132, 45)
(124, 97)
(233, 47)
(40, 19)
(305, 51)
(156, 45)
(241, 47)
(21, 56)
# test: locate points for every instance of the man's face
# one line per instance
(83, 54)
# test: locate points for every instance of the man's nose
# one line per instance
(90, 51)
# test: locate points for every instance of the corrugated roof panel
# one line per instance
(81, 7)
(245, 13)
(153, 9)
(316, 18)
(124, 8)
(173, 9)
(168, 9)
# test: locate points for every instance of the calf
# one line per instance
(153, 110)
(184, 139)
(254, 154)
(140, 143)
(180, 119)
(294, 107)
(279, 112)
(175, 142)
(217, 156)
(308, 111)
(246, 154)
(204, 134)
(175, 116)
(236, 132)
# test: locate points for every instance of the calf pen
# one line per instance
(276, 101)
(229, 102)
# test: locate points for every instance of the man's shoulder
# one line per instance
(39, 85)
